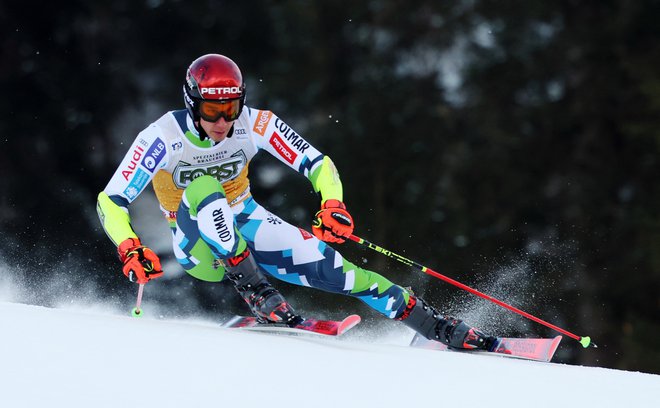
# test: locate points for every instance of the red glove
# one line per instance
(140, 263)
(333, 223)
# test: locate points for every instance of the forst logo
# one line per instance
(222, 170)
(132, 164)
(228, 90)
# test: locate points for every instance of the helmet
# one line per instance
(214, 88)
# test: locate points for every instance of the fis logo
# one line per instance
(154, 155)
(136, 185)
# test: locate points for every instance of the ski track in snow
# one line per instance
(91, 358)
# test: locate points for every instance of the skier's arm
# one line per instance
(115, 218)
(140, 263)
(272, 134)
(146, 156)
(326, 182)
(332, 223)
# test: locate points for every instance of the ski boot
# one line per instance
(428, 322)
(266, 303)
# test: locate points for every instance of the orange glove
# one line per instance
(140, 263)
(332, 223)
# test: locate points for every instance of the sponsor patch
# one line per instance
(272, 219)
(221, 170)
(132, 164)
(282, 149)
(227, 90)
(306, 234)
(177, 145)
(294, 138)
(136, 185)
(154, 155)
(262, 122)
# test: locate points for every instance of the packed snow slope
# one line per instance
(76, 358)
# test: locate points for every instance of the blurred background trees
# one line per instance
(513, 146)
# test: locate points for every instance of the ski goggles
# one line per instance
(212, 111)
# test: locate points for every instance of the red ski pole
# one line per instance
(584, 340)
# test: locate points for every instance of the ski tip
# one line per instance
(348, 323)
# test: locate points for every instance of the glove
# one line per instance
(332, 223)
(141, 264)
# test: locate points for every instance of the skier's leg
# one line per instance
(209, 246)
(296, 256)
(416, 314)
(428, 322)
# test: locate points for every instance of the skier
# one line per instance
(197, 160)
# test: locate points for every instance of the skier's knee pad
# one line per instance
(205, 208)
(200, 189)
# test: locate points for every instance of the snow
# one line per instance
(96, 358)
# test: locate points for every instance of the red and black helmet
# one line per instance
(214, 88)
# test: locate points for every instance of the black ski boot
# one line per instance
(425, 320)
(264, 300)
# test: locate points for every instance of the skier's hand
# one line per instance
(332, 223)
(141, 264)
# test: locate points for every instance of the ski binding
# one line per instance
(307, 326)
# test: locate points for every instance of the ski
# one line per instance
(528, 349)
(308, 326)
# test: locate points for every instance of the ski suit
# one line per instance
(204, 192)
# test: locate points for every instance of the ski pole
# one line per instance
(584, 340)
(136, 312)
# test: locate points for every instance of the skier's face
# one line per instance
(217, 130)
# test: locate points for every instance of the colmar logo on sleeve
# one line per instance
(295, 140)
